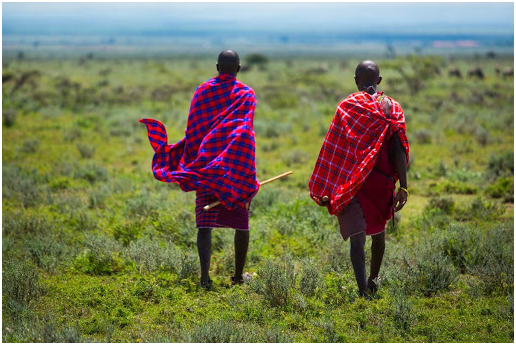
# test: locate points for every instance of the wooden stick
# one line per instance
(216, 203)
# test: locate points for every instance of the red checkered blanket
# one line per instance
(350, 148)
(217, 154)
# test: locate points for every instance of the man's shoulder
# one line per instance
(245, 87)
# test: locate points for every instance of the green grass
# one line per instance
(95, 249)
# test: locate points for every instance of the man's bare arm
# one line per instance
(400, 165)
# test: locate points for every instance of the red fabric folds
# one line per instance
(217, 154)
(351, 146)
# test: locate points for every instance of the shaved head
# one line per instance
(228, 62)
(367, 74)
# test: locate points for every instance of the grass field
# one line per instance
(95, 249)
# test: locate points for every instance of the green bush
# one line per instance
(189, 266)
(311, 278)
(225, 331)
(86, 151)
(494, 261)
(432, 219)
(48, 251)
(100, 256)
(20, 283)
(502, 188)
(91, 172)
(9, 117)
(19, 184)
(456, 187)
(460, 243)
(276, 281)
(128, 232)
(500, 165)
(447, 205)
(150, 256)
(30, 146)
(426, 270)
(480, 210)
(21, 224)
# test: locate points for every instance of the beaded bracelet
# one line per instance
(405, 190)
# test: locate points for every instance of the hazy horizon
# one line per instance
(210, 26)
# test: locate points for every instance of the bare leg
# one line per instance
(204, 249)
(377, 251)
(358, 260)
(241, 245)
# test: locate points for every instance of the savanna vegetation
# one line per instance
(95, 249)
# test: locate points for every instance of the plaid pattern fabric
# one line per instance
(217, 154)
(350, 148)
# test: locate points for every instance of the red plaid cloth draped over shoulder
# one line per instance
(350, 148)
(217, 154)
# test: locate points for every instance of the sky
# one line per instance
(164, 18)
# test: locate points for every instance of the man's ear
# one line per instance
(379, 80)
(356, 80)
(217, 67)
(238, 68)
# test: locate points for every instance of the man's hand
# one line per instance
(324, 201)
(400, 200)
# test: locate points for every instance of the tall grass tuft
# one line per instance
(149, 256)
(20, 284)
(311, 278)
(276, 281)
(100, 256)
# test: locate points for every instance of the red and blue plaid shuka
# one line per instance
(350, 148)
(217, 155)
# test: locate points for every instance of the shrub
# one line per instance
(150, 256)
(188, 266)
(430, 271)
(295, 157)
(20, 185)
(311, 278)
(20, 283)
(47, 251)
(481, 210)
(493, 261)
(225, 331)
(97, 196)
(456, 187)
(275, 282)
(423, 136)
(21, 223)
(432, 219)
(501, 165)
(128, 232)
(460, 244)
(100, 256)
(53, 334)
(337, 254)
(403, 315)
(142, 205)
(30, 146)
(72, 134)
(86, 151)
(256, 59)
(9, 117)
(502, 188)
(91, 172)
(447, 205)
(483, 137)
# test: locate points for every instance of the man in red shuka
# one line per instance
(363, 155)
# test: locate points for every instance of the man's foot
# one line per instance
(244, 278)
(237, 281)
(207, 285)
(372, 287)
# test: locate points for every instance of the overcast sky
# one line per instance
(135, 18)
